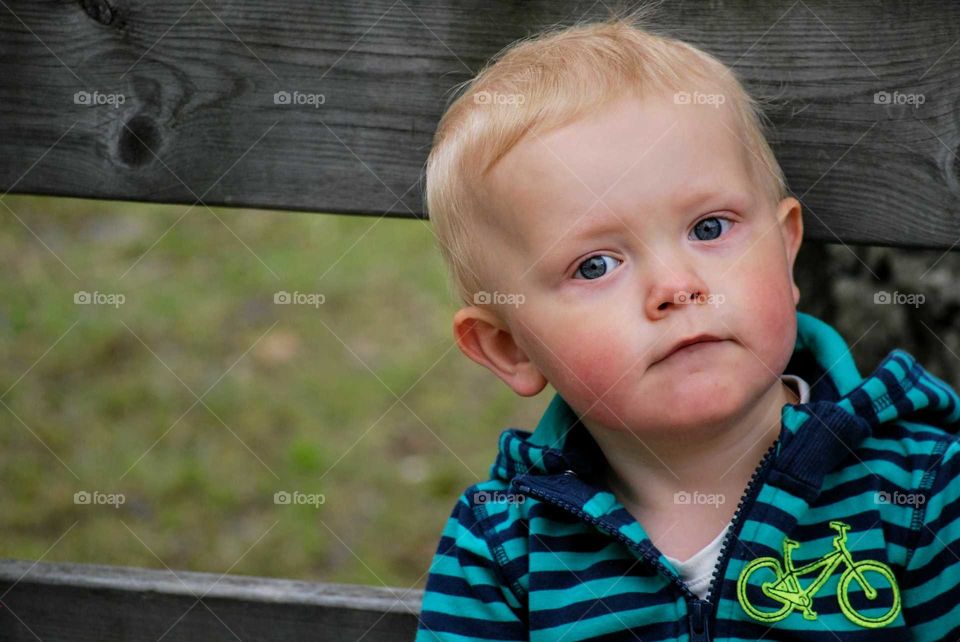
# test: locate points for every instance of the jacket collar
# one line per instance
(843, 409)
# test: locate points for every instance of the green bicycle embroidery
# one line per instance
(870, 575)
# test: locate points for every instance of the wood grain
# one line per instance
(199, 122)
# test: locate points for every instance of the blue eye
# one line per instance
(710, 228)
(594, 267)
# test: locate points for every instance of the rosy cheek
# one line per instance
(760, 283)
(774, 298)
(596, 368)
(764, 303)
(768, 319)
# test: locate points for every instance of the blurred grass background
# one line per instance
(102, 398)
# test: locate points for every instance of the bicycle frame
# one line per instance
(829, 562)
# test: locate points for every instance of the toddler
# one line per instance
(712, 466)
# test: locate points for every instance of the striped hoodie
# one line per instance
(849, 528)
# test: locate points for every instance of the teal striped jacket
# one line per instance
(849, 528)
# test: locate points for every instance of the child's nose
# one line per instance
(673, 289)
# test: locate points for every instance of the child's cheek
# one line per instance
(596, 368)
(768, 320)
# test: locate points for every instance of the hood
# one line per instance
(848, 407)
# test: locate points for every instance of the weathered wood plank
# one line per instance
(103, 603)
(198, 81)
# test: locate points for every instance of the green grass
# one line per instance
(102, 398)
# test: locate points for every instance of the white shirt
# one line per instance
(697, 571)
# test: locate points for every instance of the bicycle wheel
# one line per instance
(742, 582)
(843, 593)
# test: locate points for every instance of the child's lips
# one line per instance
(688, 349)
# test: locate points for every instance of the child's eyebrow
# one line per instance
(605, 221)
(701, 196)
(602, 224)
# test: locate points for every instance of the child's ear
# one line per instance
(791, 231)
(486, 339)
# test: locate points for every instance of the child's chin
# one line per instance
(703, 386)
(700, 399)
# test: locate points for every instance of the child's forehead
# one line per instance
(634, 152)
(642, 129)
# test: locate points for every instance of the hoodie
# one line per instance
(849, 528)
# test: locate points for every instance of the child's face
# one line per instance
(624, 186)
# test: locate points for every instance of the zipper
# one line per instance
(749, 494)
(699, 621)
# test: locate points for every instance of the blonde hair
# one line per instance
(543, 82)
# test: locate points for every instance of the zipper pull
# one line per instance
(699, 611)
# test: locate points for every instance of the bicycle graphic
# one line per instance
(786, 588)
